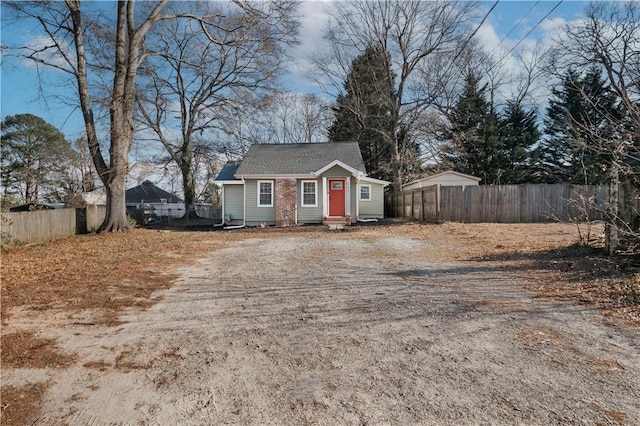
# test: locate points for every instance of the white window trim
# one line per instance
(315, 202)
(360, 193)
(258, 193)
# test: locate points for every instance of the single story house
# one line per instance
(154, 201)
(286, 184)
(448, 178)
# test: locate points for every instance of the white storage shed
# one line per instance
(448, 178)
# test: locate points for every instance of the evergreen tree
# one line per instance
(35, 156)
(364, 114)
(519, 133)
(578, 120)
(472, 140)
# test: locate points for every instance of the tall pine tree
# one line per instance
(364, 113)
(518, 134)
(578, 119)
(472, 139)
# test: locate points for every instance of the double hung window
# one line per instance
(265, 193)
(309, 193)
(365, 192)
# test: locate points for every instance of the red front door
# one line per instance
(336, 197)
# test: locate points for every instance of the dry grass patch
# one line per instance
(107, 272)
(25, 350)
(20, 405)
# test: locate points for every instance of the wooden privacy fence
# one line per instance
(44, 225)
(421, 204)
(505, 203)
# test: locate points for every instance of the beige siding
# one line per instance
(310, 214)
(233, 204)
(375, 207)
(255, 214)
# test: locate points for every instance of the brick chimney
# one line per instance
(285, 201)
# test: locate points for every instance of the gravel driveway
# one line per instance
(341, 329)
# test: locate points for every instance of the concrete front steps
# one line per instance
(336, 222)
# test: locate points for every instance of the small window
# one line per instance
(309, 193)
(265, 193)
(336, 184)
(365, 192)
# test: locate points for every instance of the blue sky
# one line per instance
(20, 91)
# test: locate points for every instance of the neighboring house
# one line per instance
(36, 206)
(286, 184)
(154, 201)
(448, 178)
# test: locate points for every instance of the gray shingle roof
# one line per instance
(149, 193)
(228, 171)
(298, 159)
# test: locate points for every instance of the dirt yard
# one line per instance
(395, 324)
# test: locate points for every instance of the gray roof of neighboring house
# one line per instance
(228, 171)
(299, 158)
(147, 192)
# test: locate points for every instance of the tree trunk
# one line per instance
(116, 216)
(612, 237)
(121, 114)
(188, 185)
(397, 170)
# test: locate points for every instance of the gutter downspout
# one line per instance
(221, 208)
(244, 208)
(358, 198)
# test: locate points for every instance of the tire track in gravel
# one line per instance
(331, 330)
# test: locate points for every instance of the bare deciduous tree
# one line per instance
(97, 51)
(65, 26)
(280, 117)
(196, 75)
(289, 117)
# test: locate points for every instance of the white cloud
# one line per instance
(552, 25)
(44, 49)
(313, 21)
(488, 37)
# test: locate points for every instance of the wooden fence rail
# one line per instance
(506, 203)
(421, 204)
(45, 225)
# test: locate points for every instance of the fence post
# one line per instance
(437, 193)
(81, 221)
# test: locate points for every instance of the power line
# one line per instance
(527, 34)
(475, 31)
(515, 26)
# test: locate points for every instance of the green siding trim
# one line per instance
(309, 214)
(353, 196)
(255, 213)
(233, 204)
(336, 171)
(374, 208)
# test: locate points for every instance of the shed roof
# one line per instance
(147, 192)
(298, 159)
(445, 173)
